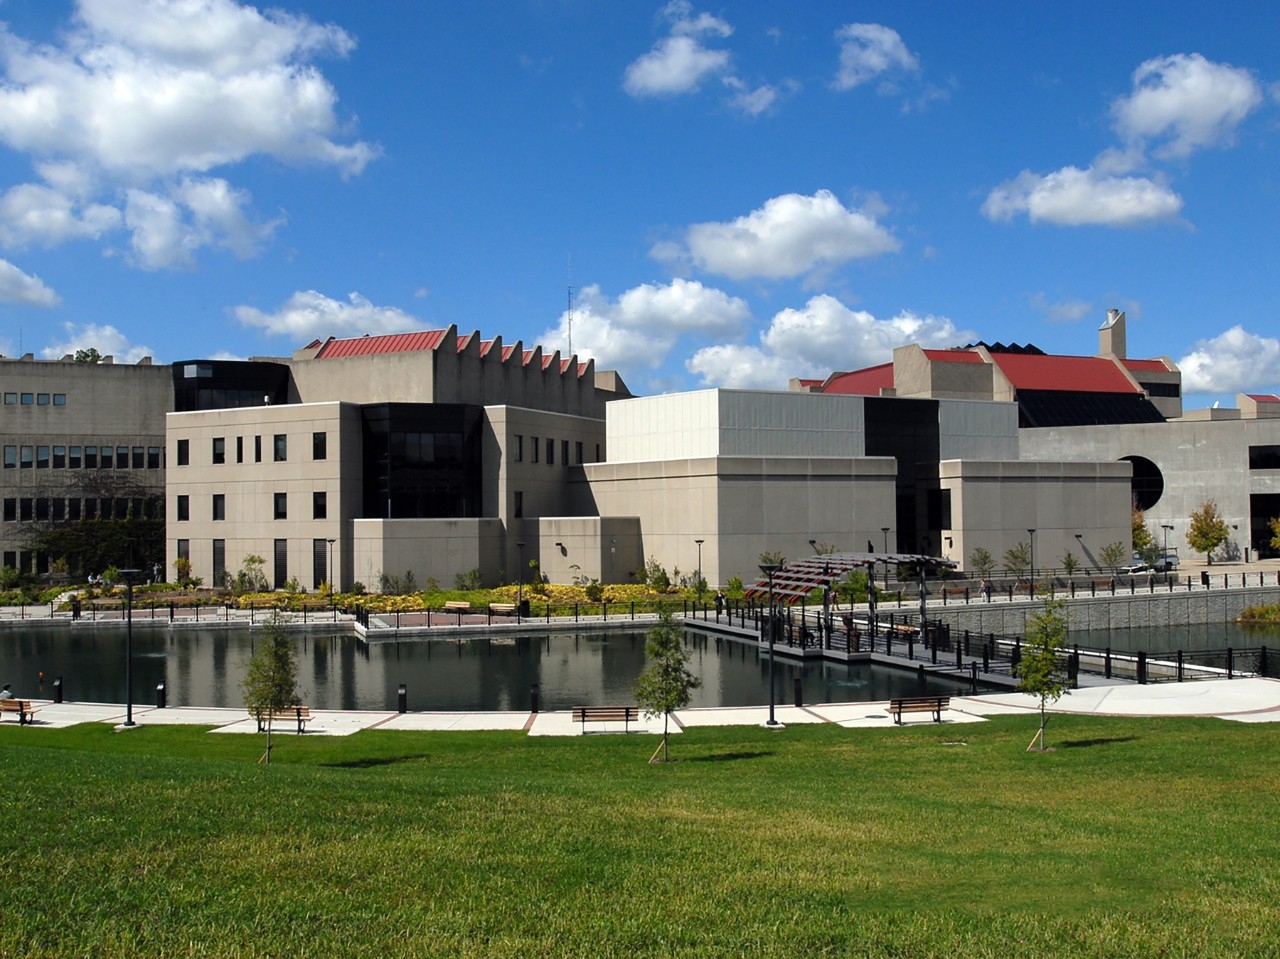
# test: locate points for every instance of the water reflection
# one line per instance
(205, 668)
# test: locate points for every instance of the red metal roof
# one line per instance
(389, 343)
(954, 356)
(866, 382)
(1074, 374)
(1263, 397)
(1146, 366)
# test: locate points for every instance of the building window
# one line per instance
(281, 447)
(319, 554)
(320, 505)
(184, 549)
(219, 449)
(75, 457)
(519, 455)
(11, 399)
(42, 509)
(281, 563)
(184, 508)
(184, 452)
(319, 446)
(11, 510)
(257, 449)
(59, 509)
(219, 562)
(534, 447)
(106, 460)
(577, 451)
(27, 457)
(25, 509)
(122, 457)
(138, 458)
(42, 399)
(91, 457)
(219, 506)
(73, 510)
(10, 457)
(564, 452)
(153, 457)
(518, 508)
(59, 399)
(597, 459)
(1260, 458)
(28, 399)
(59, 457)
(239, 449)
(42, 457)
(281, 505)
(551, 452)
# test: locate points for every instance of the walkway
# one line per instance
(1239, 700)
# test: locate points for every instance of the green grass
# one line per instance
(1133, 838)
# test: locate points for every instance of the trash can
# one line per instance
(1204, 578)
(524, 608)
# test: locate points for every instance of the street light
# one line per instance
(520, 583)
(1164, 555)
(129, 576)
(330, 542)
(885, 530)
(769, 569)
(1031, 589)
(699, 584)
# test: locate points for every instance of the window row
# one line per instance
(279, 449)
(35, 399)
(58, 509)
(547, 449)
(279, 506)
(82, 457)
(321, 557)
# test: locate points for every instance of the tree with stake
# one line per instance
(271, 681)
(666, 683)
(1039, 668)
(1208, 530)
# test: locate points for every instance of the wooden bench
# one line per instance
(919, 704)
(503, 609)
(457, 605)
(956, 591)
(299, 714)
(606, 714)
(20, 706)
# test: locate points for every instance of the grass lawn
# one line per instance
(1133, 838)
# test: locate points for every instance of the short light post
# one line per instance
(769, 569)
(1164, 554)
(699, 583)
(129, 576)
(1031, 589)
(885, 530)
(520, 583)
(331, 587)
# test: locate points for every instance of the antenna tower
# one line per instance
(570, 309)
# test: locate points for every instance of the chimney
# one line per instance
(1111, 335)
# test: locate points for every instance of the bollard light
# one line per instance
(57, 690)
(162, 697)
(535, 694)
(402, 697)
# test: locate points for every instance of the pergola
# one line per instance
(796, 580)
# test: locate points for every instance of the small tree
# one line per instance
(1069, 563)
(1018, 559)
(1274, 526)
(271, 681)
(1112, 555)
(1144, 541)
(1039, 670)
(1208, 530)
(982, 561)
(666, 683)
(769, 556)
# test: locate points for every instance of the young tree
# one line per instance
(1274, 525)
(666, 683)
(1040, 669)
(1208, 530)
(1069, 563)
(1112, 555)
(1018, 559)
(1144, 541)
(982, 561)
(271, 682)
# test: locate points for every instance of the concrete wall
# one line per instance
(438, 549)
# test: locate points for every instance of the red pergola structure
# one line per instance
(796, 580)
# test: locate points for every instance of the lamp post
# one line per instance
(1164, 553)
(1031, 589)
(129, 576)
(520, 583)
(699, 583)
(769, 569)
(331, 590)
(885, 530)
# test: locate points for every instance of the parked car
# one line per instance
(1163, 564)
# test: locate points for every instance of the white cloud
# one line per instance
(1236, 361)
(679, 62)
(106, 339)
(868, 50)
(1075, 197)
(149, 95)
(308, 314)
(1186, 101)
(752, 102)
(790, 235)
(823, 337)
(19, 287)
(167, 230)
(636, 332)
(1064, 311)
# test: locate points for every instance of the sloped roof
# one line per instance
(866, 382)
(1066, 374)
(1146, 366)
(954, 356)
(387, 343)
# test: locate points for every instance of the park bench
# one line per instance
(606, 714)
(457, 605)
(20, 706)
(957, 592)
(503, 609)
(919, 704)
(299, 714)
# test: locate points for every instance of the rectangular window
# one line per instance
(280, 447)
(281, 506)
(184, 549)
(59, 457)
(26, 509)
(122, 457)
(119, 508)
(11, 510)
(73, 510)
(319, 556)
(1260, 458)
(519, 454)
(28, 399)
(577, 450)
(184, 452)
(319, 505)
(91, 457)
(564, 452)
(11, 399)
(239, 449)
(91, 509)
(551, 452)
(534, 447)
(219, 506)
(219, 449)
(597, 459)
(26, 457)
(42, 457)
(42, 509)
(10, 457)
(42, 399)
(219, 562)
(59, 509)
(319, 446)
(138, 457)
(184, 508)
(518, 509)
(75, 457)
(107, 459)
(153, 457)
(59, 399)
(257, 449)
(281, 563)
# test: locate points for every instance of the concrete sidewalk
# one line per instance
(1239, 700)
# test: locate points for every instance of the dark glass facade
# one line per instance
(908, 431)
(422, 461)
(228, 384)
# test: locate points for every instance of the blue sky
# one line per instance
(737, 193)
